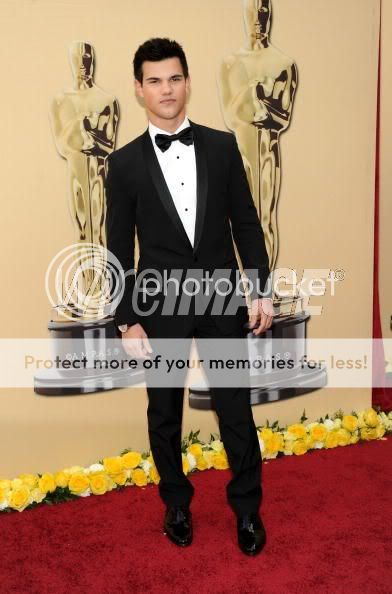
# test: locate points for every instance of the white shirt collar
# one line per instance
(153, 130)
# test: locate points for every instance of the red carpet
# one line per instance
(327, 515)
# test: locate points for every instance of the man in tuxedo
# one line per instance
(183, 187)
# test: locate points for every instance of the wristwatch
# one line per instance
(123, 327)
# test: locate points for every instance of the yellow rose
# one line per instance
(220, 461)
(380, 430)
(99, 483)
(370, 417)
(73, 469)
(37, 496)
(16, 483)
(274, 444)
(3, 494)
(201, 463)
(30, 480)
(368, 434)
(154, 475)
(298, 430)
(78, 483)
(299, 447)
(120, 478)
(288, 447)
(332, 439)
(318, 432)
(19, 498)
(350, 423)
(131, 459)
(185, 464)
(265, 433)
(209, 457)
(139, 477)
(354, 437)
(113, 465)
(343, 436)
(195, 449)
(47, 483)
(5, 484)
(61, 479)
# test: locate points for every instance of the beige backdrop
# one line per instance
(385, 173)
(325, 209)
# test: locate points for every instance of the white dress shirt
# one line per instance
(178, 164)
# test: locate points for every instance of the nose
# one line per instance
(166, 87)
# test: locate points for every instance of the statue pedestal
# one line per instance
(76, 340)
(278, 384)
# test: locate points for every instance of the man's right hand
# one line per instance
(135, 342)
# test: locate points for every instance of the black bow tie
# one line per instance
(163, 141)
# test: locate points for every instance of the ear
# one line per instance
(139, 88)
(188, 84)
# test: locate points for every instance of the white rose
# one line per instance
(85, 493)
(146, 465)
(329, 424)
(216, 445)
(191, 460)
(95, 467)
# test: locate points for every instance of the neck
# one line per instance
(80, 84)
(259, 43)
(167, 125)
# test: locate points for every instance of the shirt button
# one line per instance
(182, 183)
(178, 157)
(186, 209)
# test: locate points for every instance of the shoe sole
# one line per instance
(176, 542)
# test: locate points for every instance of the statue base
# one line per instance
(73, 340)
(275, 385)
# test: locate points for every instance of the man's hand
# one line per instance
(261, 314)
(136, 343)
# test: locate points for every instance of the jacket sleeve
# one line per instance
(246, 227)
(120, 241)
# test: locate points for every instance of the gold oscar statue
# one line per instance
(257, 86)
(84, 121)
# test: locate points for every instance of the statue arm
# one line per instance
(59, 131)
(103, 136)
(238, 105)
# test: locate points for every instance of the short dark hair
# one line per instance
(155, 50)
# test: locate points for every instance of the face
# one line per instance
(82, 60)
(164, 88)
(257, 14)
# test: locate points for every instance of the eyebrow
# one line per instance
(158, 78)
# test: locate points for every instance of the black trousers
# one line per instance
(236, 425)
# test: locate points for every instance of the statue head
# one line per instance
(257, 19)
(82, 60)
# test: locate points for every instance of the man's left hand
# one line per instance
(261, 314)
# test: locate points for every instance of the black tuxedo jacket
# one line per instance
(137, 196)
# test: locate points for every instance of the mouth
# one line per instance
(168, 101)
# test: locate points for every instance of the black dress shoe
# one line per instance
(251, 533)
(178, 525)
